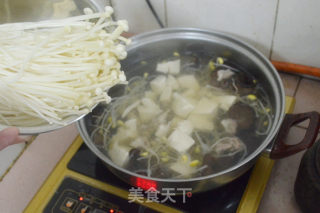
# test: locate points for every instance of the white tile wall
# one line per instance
(293, 37)
(297, 35)
(250, 20)
(138, 14)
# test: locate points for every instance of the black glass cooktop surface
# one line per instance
(223, 200)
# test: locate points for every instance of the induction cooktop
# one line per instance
(82, 183)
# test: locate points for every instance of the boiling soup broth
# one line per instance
(184, 119)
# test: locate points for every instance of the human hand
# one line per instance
(127, 35)
(10, 136)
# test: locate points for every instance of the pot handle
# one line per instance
(280, 149)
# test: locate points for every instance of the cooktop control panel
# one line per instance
(76, 197)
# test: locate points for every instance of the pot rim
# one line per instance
(280, 112)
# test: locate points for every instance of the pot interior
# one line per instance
(154, 47)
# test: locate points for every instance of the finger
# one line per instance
(24, 138)
(127, 35)
(10, 136)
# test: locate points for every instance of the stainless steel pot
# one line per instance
(159, 44)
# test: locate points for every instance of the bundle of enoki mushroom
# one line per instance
(53, 69)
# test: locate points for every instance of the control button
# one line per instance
(69, 204)
(83, 208)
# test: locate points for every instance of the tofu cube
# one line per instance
(182, 168)
(174, 67)
(206, 106)
(181, 106)
(172, 82)
(225, 101)
(188, 82)
(131, 128)
(148, 110)
(166, 94)
(162, 130)
(163, 67)
(191, 94)
(171, 67)
(180, 141)
(151, 95)
(119, 154)
(201, 122)
(138, 142)
(158, 84)
(185, 126)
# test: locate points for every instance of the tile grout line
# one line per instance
(165, 13)
(304, 128)
(294, 95)
(297, 87)
(274, 29)
(114, 15)
(300, 127)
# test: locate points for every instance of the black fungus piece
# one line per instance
(240, 82)
(213, 164)
(98, 110)
(207, 171)
(245, 83)
(208, 159)
(116, 91)
(162, 172)
(135, 161)
(194, 61)
(98, 139)
(243, 114)
(134, 154)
